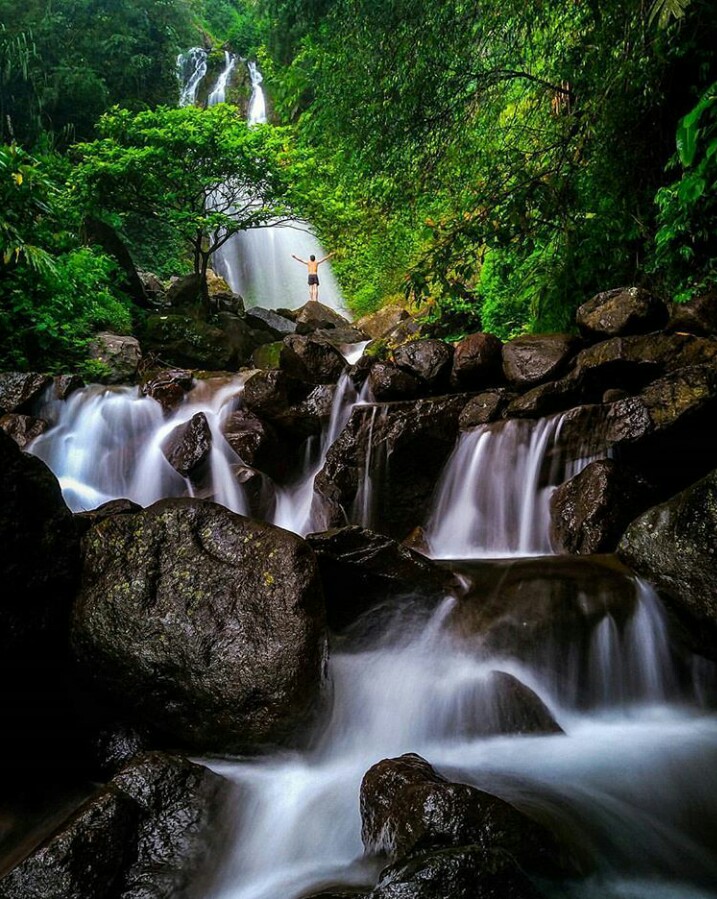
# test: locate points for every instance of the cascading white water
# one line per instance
(191, 70)
(493, 498)
(258, 263)
(621, 780)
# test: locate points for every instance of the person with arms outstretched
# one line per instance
(313, 267)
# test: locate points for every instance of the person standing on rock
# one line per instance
(313, 267)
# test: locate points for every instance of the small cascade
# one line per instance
(219, 93)
(371, 472)
(191, 70)
(256, 114)
(493, 498)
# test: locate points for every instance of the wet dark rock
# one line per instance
(484, 408)
(428, 360)
(309, 416)
(314, 316)
(378, 324)
(478, 362)
(674, 545)
(148, 833)
(533, 358)
(169, 387)
(66, 385)
(23, 428)
(277, 325)
(184, 291)
(224, 343)
(626, 310)
(468, 872)
(417, 541)
(341, 336)
(39, 571)
(86, 520)
(408, 808)
(267, 356)
(409, 443)
(614, 395)
(119, 354)
(388, 382)
(253, 440)
(360, 371)
(269, 394)
(589, 513)
(310, 360)
(516, 709)
(20, 390)
(221, 297)
(542, 612)
(405, 331)
(188, 446)
(153, 287)
(699, 316)
(222, 643)
(360, 569)
(341, 893)
(546, 399)
(115, 745)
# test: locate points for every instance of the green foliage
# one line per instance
(686, 241)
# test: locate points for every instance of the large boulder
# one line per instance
(184, 290)
(23, 428)
(203, 624)
(533, 358)
(378, 324)
(221, 297)
(169, 387)
(478, 362)
(404, 447)
(188, 447)
(626, 310)
(223, 344)
(361, 569)
(408, 808)
(314, 316)
(674, 545)
(119, 355)
(547, 399)
(310, 360)
(253, 440)
(484, 408)
(699, 316)
(65, 385)
(268, 320)
(20, 390)
(589, 513)
(388, 382)
(150, 832)
(428, 360)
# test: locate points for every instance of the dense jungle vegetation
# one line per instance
(492, 163)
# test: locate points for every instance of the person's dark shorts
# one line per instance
(313, 280)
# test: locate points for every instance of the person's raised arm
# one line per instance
(303, 261)
(326, 258)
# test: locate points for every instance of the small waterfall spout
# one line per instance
(257, 103)
(493, 498)
(219, 94)
(191, 70)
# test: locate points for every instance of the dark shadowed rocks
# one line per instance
(148, 834)
(86, 520)
(533, 358)
(65, 385)
(188, 446)
(699, 316)
(589, 513)
(674, 545)
(253, 440)
(310, 360)
(269, 394)
(315, 316)
(484, 408)
(360, 569)
(407, 808)
(120, 355)
(547, 399)
(169, 387)
(477, 362)
(266, 319)
(202, 624)
(22, 428)
(184, 290)
(379, 324)
(19, 390)
(428, 360)
(388, 382)
(626, 310)
(267, 356)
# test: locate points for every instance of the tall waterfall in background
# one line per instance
(258, 263)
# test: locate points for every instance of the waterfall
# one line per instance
(258, 263)
(493, 498)
(191, 69)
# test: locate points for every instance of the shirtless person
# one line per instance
(313, 266)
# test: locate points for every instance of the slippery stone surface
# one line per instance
(267, 356)
(533, 358)
(86, 520)
(674, 545)
(270, 321)
(169, 387)
(65, 385)
(484, 408)
(23, 428)
(119, 353)
(310, 360)
(19, 390)
(269, 394)
(314, 316)
(222, 639)
(589, 513)
(388, 382)
(146, 835)
(429, 360)
(547, 399)
(625, 310)
(184, 290)
(477, 362)
(188, 446)
(360, 569)
(378, 324)
(223, 344)
(253, 440)
(407, 808)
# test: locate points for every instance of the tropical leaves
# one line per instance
(663, 11)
